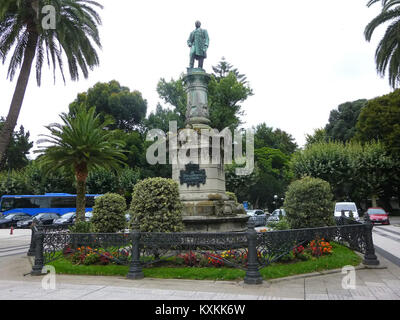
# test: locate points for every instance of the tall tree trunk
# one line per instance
(19, 93)
(81, 176)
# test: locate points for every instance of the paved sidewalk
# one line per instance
(371, 284)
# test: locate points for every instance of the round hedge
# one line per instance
(308, 203)
(109, 213)
(156, 205)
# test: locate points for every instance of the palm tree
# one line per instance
(81, 143)
(21, 29)
(387, 54)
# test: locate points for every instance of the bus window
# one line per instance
(90, 202)
(63, 202)
(16, 203)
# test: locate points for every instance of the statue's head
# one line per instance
(198, 24)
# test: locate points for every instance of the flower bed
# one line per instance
(229, 258)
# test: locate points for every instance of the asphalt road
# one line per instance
(387, 240)
(16, 243)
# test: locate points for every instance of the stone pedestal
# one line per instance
(207, 208)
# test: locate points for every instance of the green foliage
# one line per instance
(109, 213)
(81, 144)
(76, 34)
(277, 139)
(327, 161)
(232, 196)
(224, 98)
(354, 171)
(82, 227)
(380, 120)
(223, 68)
(308, 204)
(226, 91)
(16, 154)
(156, 205)
(342, 122)
(319, 136)
(33, 180)
(282, 224)
(270, 176)
(387, 52)
(101, 181)
(13, 182)
(127, 108)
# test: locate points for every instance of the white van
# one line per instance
(347, 207)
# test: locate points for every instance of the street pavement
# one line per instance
(16, 283)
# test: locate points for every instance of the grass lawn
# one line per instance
(340, 257)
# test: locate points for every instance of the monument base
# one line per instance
(215, 224)
(213, 216)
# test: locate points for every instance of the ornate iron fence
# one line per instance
(248, 250)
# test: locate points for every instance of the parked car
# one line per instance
(346, 207)
(379, 215)
(70, 217)
(67, 218)
(258, 216)
(11, 220)
(44, 218)
(276, 215)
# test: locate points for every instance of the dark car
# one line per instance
(11, 220)
(378, 215)
(67, 218)
(44, 218)
(70, 217)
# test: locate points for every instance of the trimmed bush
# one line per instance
(308, 203)
(109, 213)
(156, 205)
(81, 227)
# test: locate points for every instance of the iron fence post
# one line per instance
(31, 251)
(370, 259)
(135, 268)
(39, 259)
(253, 275)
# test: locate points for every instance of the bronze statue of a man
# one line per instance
(198, 42)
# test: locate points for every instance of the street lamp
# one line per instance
(276, 201)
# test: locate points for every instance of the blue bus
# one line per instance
(60, 203)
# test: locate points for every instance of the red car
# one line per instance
(378, 215)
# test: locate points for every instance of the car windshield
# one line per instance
(345, 207)
(376, 211)
(278, 212)
(40, 215)
(68, 215)
(9, 216)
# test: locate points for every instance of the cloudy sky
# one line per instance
(302, 58)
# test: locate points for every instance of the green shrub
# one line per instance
(308, 203)
(109, 213)
(156, 205)
(81, 227)
(282, 224)
(232, 196)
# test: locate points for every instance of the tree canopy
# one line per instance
(128, 108)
